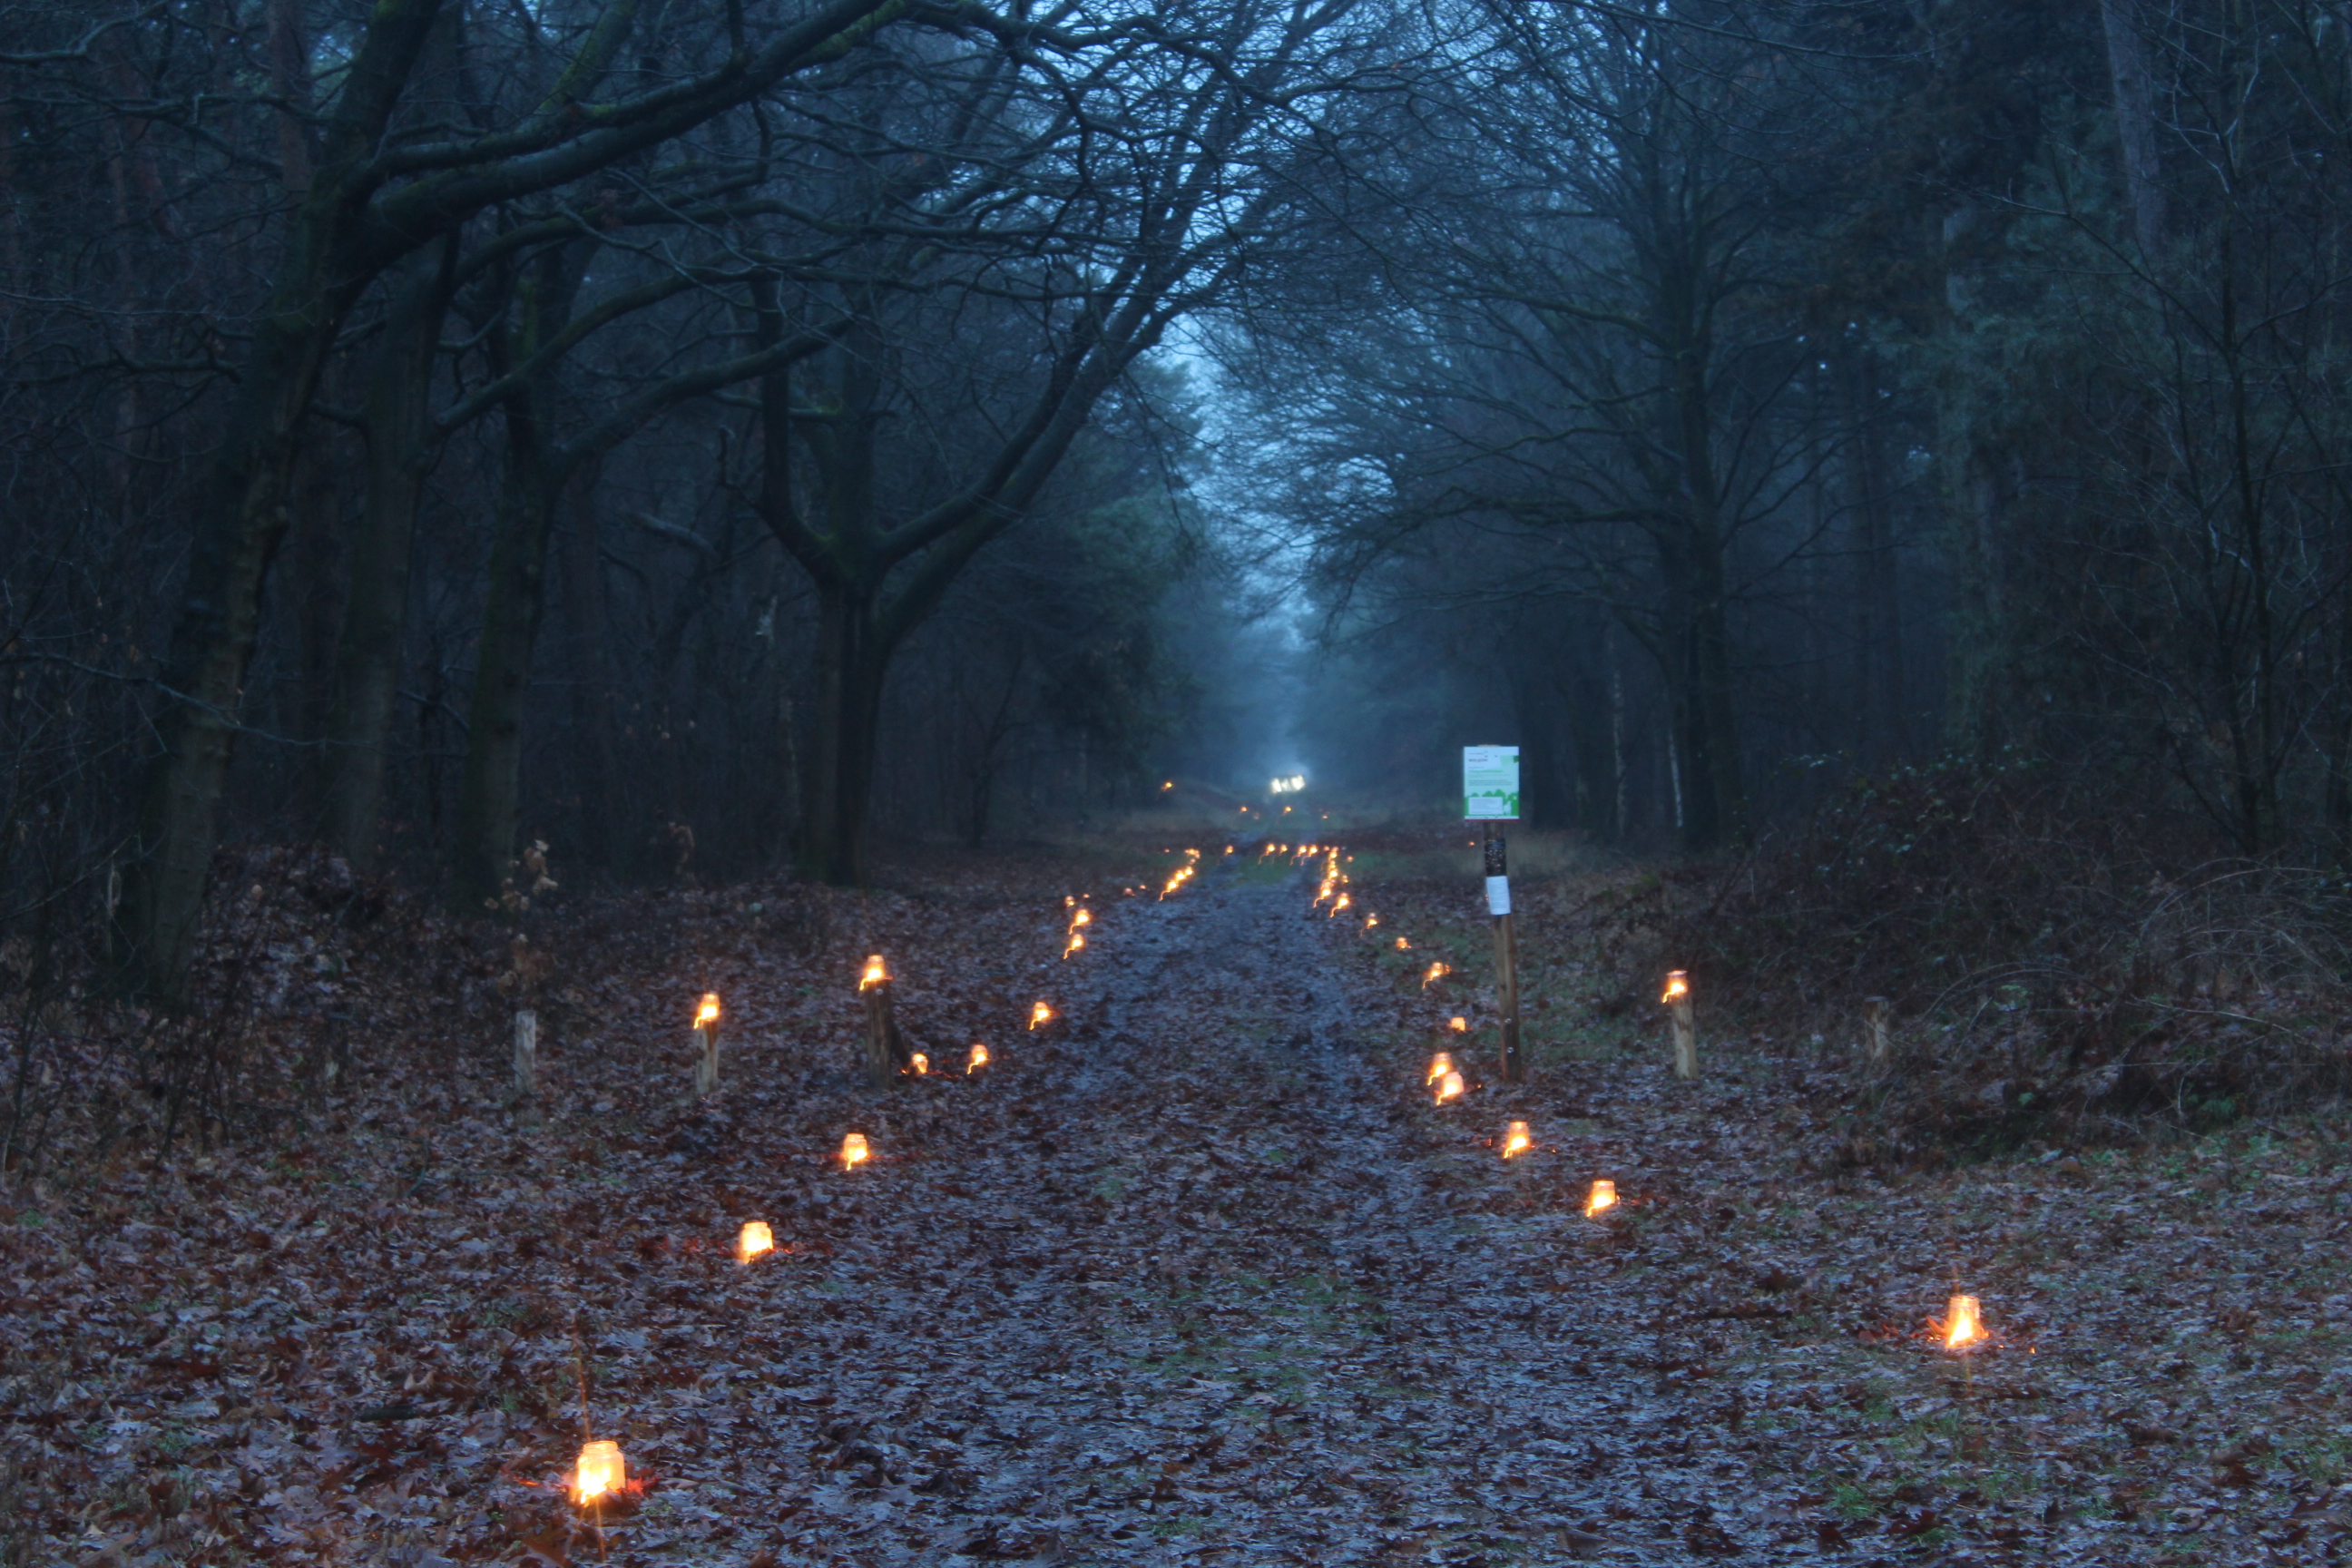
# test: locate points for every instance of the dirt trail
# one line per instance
(1212, 1302)
(1198, 1276)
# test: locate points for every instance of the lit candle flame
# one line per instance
(1340, 905)
(1040, 1013)
(1677, 987)
(1371, 920)
(1604, 1197)
(756, 1239)
(977, 1060)
(1516, 1141)
(1449, 1086)
(1077, 943)
(1402, 945)
(1084, 917)
(918, 1064)
(708, 1014)
(1963, 1323)
(600, 1473)
(1436, 971)
(1458, 1024)
(1439, 1066)
(875, 974)
(854, 1152)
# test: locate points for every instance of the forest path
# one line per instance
(1219, 1298)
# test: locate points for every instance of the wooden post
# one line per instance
(883, 1048)
(526, 1051)
(1506, 953)
(706, 1062)
(1678, 1008)
(1873, 1024)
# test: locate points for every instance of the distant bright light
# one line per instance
(1290, 785)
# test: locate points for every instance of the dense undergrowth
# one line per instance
(2055, 963)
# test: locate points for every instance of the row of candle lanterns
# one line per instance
(1445, 1080)
(1962, 1327)
(600, 1474)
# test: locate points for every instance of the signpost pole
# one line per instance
(1490, 796)
(1506, 954)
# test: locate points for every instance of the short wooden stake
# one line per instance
(706, 1062)
(1873, 1028)
(526, 1051)
(1677, 1001)
(884, 1046)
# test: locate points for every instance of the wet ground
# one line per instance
(1195, 1274)
(1219, 1289)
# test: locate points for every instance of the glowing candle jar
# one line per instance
(977, 1060)
(755, 1239)
(1963, 1323)
(876, 973)
(918, 1064)
(1437, 972)
(1458, 1024)
(1449, 1086)
(600, 1473)
(1516, 1141)
(1040, 1016)
(1439, 1066)
(1403, 946)
(854, 1152)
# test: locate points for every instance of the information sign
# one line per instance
(1490, 783)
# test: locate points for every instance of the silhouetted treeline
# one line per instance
(1731, 396)
(703, 435)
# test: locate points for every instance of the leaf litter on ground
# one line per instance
(1197, 1273)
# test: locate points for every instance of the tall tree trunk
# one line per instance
(852, 662)
(490, 799)
(242, 519)
(588, 615)
(2134, 84)
(1715, 795)
(1878, 601)
(401, 446)
(1976, 624)
(1546, 798)
(1593, 731)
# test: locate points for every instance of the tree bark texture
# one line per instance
(401, 446)
(489, 800)
(243, 518)
(350, 225)
(245, 513)
(2134, 83)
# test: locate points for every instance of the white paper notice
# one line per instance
(1499, 895)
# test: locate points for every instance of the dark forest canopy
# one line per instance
(703, 436)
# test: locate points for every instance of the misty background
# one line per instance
(708, 439)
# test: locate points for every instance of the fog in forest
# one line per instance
(517, 518)
(861, 434)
